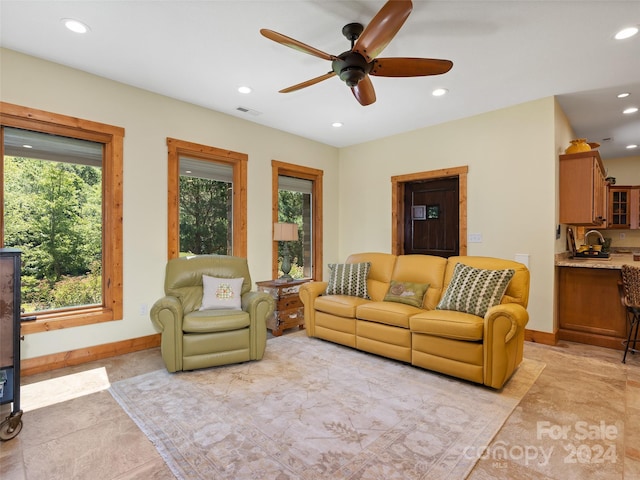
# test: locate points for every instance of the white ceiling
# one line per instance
(504, 53)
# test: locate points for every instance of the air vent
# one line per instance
(255, 113)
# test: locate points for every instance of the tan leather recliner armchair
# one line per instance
(193, 338)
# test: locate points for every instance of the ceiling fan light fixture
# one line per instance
(75, 26)
(439, 92)
(625, 33)
(352, 76)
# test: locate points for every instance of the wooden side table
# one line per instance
(289, 311)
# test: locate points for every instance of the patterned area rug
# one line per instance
(314, 410)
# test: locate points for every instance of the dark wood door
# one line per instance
(431, 217)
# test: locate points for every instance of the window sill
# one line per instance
(66, 319)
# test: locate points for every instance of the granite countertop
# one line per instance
(614, 262)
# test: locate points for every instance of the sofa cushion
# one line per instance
(203, 321)
(221, 293)
(340, 305)
(475, 290)
(348, 279)
(448, 324)
(388, 313)
(422, 269)
(410, 293)
(382, 265)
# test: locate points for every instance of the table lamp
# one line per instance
(285, 232)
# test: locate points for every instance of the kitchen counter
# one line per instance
(588, 305)
(614, 262)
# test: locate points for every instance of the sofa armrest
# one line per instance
(259, 305)
(166, 315)
(308, 294)
(503, 342)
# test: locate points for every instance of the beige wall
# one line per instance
(512, 183)
(148, 119)
(512, 160)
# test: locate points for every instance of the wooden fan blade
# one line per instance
(308, 83)
(364, 91)
(382, 28)
(295, 44)
(409, 67)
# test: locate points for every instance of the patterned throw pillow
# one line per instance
(221, 293)
(474, 290)
(406, 292)
(348, 279)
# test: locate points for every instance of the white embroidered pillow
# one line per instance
(221, 293)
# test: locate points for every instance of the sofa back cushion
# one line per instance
(518, 288)
(380, 273)
(422, 269)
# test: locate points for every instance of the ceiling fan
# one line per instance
(354, 66)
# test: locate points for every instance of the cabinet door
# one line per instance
(619, 207)
(582, 189)
(634, 208)
(599, 194)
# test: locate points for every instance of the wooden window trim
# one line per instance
(202, 152)
(397, 204)
(307, 173)
(112, 138)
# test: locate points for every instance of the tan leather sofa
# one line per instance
(483, 350)
(195, 338)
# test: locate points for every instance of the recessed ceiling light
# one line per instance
(438, 92)
(623, 95)
(75, 25)
(337, 124)
(626, 33)
(244, 89)
(632, 146)
(630, 110)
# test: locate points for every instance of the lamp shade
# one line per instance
(285, 232)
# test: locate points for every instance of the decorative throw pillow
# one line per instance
(475, 290)
(406, 292)
(348, 279)
(221, 293)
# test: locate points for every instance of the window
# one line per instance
(53, 214)
(207, 200)
(297, 198)
(70, 184)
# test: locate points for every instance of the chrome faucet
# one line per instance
(597, 233)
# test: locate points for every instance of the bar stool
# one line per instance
(630, 296)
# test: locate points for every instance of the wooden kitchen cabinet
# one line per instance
(589, 308)
(619, 211)
(624, 207)
(583, 190)
(634, 208)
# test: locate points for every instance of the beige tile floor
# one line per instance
(583, 389)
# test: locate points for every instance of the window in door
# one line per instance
(298, 199)
(61, 191)
(207, 200)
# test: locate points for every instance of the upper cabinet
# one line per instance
(624, 207)
(583, 190)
